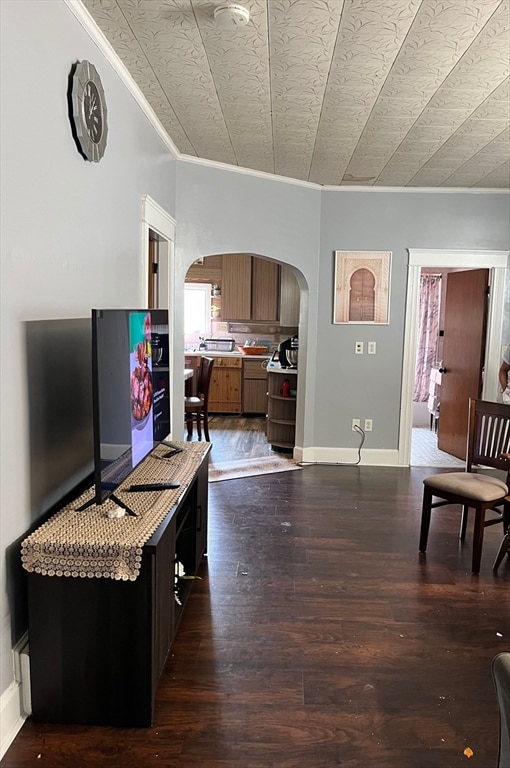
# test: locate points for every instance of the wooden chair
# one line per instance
(198, 406)
(488, 446)
(501, 677)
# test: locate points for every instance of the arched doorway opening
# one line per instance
(254, 300)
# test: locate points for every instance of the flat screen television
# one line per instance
(130, 393)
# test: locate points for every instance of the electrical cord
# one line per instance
(338, 463)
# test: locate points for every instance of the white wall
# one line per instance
(221, 211)
(71, 229)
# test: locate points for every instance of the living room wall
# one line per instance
(220, 212)
(70, 237)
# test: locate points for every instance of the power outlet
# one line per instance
(355, 423)
(358, 348)
(371, 347)
(368, 425)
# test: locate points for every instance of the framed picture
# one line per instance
(362, 287)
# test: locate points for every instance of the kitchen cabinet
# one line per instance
(289, 298)
(207, 272)
(236, 286)
(250, 288)
(226, 385)
(281, 411)
(265, 282)
(255, 386)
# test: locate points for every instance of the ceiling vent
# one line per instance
(231, 16)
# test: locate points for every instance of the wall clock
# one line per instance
(88, 111)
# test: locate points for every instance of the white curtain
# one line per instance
(428, 333)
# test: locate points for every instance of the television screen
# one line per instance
(130, 376)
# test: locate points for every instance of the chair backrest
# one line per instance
(204, 378)
(488, 435)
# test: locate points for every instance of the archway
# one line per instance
(268, 329)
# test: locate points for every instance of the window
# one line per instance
(197, 311)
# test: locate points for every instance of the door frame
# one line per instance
(497, 262)
(156, 219)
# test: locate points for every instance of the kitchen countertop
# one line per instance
(206, 353)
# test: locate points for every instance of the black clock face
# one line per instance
(92, 112)
(88, 112)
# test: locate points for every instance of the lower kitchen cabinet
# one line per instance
(225, 393)
(255, 387)
(281, 411)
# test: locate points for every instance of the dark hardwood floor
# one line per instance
(318, 637)
(238, 437)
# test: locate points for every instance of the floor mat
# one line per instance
(231, 470)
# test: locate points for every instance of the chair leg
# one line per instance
(463, 523)
(189, 425)
(206, 426)
(425, 518)
(199, 425)
(478, 540)
(503, 549)
(506, 516)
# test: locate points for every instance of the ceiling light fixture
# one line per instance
(231, 16)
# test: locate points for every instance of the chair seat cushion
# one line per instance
(468, 484)
(193, 403)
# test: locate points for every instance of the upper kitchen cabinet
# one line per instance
(250, 288)
(208, 270)
(289, 298)
(265, 286)
(236, 286)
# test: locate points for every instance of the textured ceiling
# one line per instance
(337, 92)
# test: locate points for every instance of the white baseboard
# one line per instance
(11, 716)
(348, 456)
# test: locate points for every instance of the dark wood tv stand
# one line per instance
(97, 645)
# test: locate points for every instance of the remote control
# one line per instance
(163, 486)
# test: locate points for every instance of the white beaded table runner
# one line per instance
(89, 544)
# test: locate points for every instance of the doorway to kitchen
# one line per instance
(255, 302)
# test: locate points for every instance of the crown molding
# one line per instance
(421, 190)
(249, 172)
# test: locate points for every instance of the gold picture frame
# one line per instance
(362, 287)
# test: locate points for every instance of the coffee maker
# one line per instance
(288, 352)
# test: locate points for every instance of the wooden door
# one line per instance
(463, 355)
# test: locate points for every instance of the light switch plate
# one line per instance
(371, 347)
